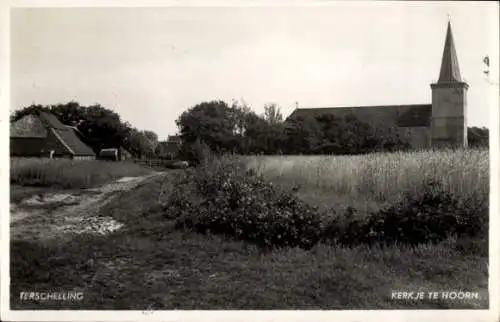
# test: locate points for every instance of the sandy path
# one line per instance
(33, 219)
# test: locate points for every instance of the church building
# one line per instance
(442, 123)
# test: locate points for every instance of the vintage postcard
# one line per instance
(250, 160)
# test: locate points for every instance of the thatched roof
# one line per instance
(26, 131)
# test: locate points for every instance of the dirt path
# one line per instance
(53, 215)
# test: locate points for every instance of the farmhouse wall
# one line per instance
(26, 146)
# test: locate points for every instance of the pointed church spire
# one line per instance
(450, 71)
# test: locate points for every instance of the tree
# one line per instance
(265, 134)
(215, 123)
(303, 136)
(478, 137)
(272, 114)
(32, 109)
(101, 125)
(329, 134)
(152, 140)
(139, 143)
(255, 140)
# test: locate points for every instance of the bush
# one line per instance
(472, 246)
(222, 197)
(429, 217)
(196, 152)
(345, 228)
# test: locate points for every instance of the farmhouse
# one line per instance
(169, 149)
(43, 135)
(442, 123)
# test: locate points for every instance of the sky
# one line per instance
(151, 64)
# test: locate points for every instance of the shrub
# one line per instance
(345, 228)
(431, 216)
(222, 197)
(472, 246)
(196, 152)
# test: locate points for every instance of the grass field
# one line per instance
(381, 176)
(69, 173)
(150, 264)
(369, 181)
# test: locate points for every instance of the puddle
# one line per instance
(45, 216)
(90, 225)
(126, 179)
(40, 200)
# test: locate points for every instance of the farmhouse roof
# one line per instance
(29, 126)
(51, 121)
(65, 135)
(386, 115)
(71, 141)
(450, 72)
(82, 137)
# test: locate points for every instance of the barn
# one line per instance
(43, 135)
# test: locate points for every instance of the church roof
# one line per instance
(377, 116)
(416, 116)
(450, 72)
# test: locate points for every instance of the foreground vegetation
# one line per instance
(67, 173)
(141, 268)
(232, 235)
(223, 197)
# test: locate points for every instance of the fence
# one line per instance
(162, 163)
(153, 162)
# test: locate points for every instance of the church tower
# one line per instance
(449, 101)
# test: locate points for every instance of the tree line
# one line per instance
(235, 128)
(478, 137)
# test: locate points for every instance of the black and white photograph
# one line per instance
(302, 156)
